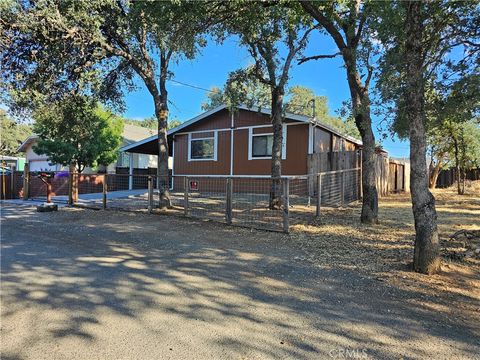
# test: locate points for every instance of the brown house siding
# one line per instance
(219, 120)
(294, 164)
(221, 166)
(296, 152)
(297, 145)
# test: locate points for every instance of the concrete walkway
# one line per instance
(83, 199)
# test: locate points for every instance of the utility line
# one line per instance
(194, 86)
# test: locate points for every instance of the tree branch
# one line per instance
(311, 8)
(318, 57)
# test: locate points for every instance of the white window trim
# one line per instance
(215, 146)
(250, 143)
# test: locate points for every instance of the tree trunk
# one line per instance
(361, 110)
(161, 112)
(434, 171)
(426, 254)
(277, 122)
(360, 100)
(369, 187)
(457, 164)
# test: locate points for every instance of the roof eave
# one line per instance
(26, 142)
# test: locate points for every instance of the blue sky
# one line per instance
(326, 77)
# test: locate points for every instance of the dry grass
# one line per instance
(385, 251)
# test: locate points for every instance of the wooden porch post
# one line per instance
(130, 171)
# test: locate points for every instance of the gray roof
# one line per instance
(130, 134)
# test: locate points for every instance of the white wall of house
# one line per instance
(39, 162)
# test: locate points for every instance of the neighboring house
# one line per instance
(131, 134)
(12, 162)
(239, 144)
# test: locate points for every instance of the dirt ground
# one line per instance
(385, 251)
(91, 284)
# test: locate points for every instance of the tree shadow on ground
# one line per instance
(158, 284)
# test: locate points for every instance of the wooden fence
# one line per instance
(391, 175)
(448, 177)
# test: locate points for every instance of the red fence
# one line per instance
(11, 185)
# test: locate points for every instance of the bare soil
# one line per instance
(385, 251)
(90, 284)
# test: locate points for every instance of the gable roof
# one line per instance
(266, 111)
(130, 134)
(28, 141)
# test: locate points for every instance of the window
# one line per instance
(204, 148)
(262, 145)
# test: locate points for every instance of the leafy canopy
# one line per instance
(54, 48)
(77, 131)
(255, 94)
(12, 134)
(451, 65)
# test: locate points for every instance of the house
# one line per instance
(221, 143)
(131, 134)
(12, 162)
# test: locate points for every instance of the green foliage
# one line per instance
(274, 35)
(52, 48)
(254, 94)
(173, 123)
(76, 131)
(12, 134)
(463, 137)
(151, 123)
(248, 91)
(451, 65)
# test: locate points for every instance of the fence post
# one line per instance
(343, 187)
(72, 185)
(229, 195)
(361, 174)
(286, 204)
(319, 193)
(12, 182)
(150, 194)
(185, 196)
(105, 189)
(26, 181)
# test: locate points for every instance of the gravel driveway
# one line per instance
(83, 284)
